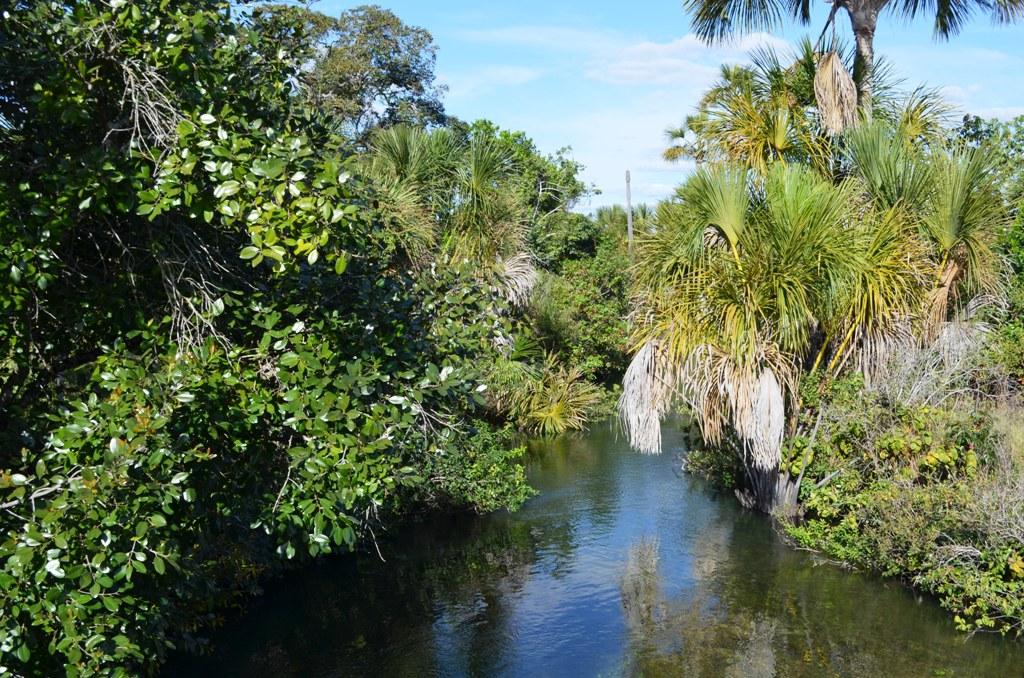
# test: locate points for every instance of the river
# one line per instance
(621, 565)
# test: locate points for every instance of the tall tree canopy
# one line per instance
(715, 20)
(370, 69)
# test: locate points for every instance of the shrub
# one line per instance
(581, 312)
(928, 494)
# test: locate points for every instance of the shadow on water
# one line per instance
(620, 566)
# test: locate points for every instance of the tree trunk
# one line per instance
(761, 434)
(770, 491)
(761, 493)
(864, 19)
(938, 312)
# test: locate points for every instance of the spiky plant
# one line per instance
(546, 398)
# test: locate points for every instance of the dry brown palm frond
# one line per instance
(876, 347)
(836, 94)
(951, 368)
(648, 388)
(518, 278)
(749, 397)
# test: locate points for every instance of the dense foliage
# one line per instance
(580, 306)
(928, 493)
(225, 347)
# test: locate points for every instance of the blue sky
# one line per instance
(606, 78)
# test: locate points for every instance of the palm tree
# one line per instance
(965, 215)
(411, 170)
(755, 114)
(769, 111)
(487, 221)
(951, 195)
(715, 20)
(434, 188)
(613, 219)
(735, 288)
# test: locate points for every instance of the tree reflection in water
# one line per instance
(618, 567)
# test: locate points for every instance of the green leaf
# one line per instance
(227, 189)
(271, 169)
(54, 568)
(249, 252)
(341, 263)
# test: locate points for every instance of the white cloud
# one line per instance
(676, 62)
(487, 78)
(1001, 112)
(614, 58)
(553, 38)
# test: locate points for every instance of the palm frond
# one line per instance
(648, 388)
(517, 278)
(836, 94)
(894, 173)
(719, 198)
(716, 20)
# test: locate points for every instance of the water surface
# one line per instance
(620, 566)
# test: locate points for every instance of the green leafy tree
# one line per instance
(370, 69)
(215, 363)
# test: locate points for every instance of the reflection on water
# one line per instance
(621, 566)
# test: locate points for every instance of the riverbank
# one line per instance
(929, 495)
(944, 516)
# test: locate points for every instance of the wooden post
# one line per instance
(629, 217)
